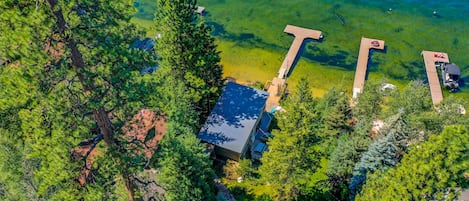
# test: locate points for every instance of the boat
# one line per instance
(450, 74)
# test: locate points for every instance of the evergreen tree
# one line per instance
(336, 113)
(98, 35)
(385, 152)
(76, 55)
(349, 149)
(188, 53)
(452, 111)
(292, 154)
(368, 105)
(432, 170)
(184, 169)
(415, 98)
(49, 136)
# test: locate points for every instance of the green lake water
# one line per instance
(253, 45)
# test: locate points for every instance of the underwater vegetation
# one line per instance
(252, 43)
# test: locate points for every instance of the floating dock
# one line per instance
(362, 63)
(430, 59)
(277, 87)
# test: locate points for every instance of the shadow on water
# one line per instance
(338, 58)
(373, 65)
(301, 53)
(217, 28)
(416, 70)
(220, 31)
(242, 39)
(343, 59)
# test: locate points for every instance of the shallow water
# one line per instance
(250, 36)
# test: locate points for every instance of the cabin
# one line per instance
(233, 123)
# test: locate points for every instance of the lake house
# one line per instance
(233, 122)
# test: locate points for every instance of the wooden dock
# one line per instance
(430, 59)
(277, 87)
(362, 63)
(300, 35)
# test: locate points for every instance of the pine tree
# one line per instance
(188, 53)
(415, 98)
(385, 152)
(336, 113)
(98, 35)
(432, 170)
(184, 169)
(349, 149)
(78, 54)
(292, 155)
(368, 106)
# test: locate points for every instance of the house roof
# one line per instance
(233, 117)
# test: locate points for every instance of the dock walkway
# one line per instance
(277, 87)
(430, 59)
(362, 63)
(300, 35)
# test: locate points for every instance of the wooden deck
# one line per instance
(276, 90)
(362, 63)
(277, 87)
(430, 59)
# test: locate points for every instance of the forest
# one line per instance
(82, 118)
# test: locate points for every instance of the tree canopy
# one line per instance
(432, 170)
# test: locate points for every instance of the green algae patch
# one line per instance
(251, 38)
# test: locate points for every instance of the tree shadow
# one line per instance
(234, 115)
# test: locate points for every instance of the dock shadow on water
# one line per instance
(301, 53)
(240, 38)
(340, 58)
(373, 66)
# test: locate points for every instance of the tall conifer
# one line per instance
(187, 52)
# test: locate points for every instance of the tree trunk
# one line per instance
(130, 186)
(100, 115)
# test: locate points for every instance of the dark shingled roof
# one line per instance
(233, 117)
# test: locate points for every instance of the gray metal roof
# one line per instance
(233, 117)
(452, 69)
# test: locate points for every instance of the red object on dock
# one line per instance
(375, 43)
(438, 55)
